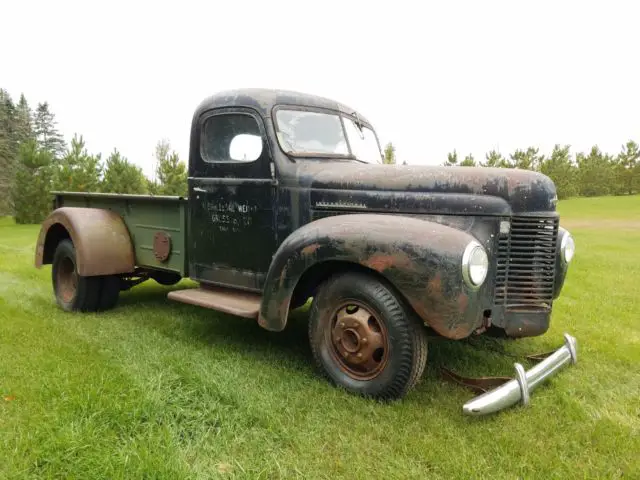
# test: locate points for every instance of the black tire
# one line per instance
(72, 291)
(379, 316)
(109, 292)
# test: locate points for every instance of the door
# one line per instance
(231, 200)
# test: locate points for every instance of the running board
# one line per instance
(236, 302)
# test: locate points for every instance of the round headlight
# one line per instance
(475, 264)
(567, 248)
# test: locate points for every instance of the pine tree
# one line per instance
(77, 171)
(559, 168)
(7, 149)
(452, 159)
(24, 121)
(46, 132)
(390, 154)
(595, 173)
(495, 159)
(121, 176)
(32, 181)
(171, 172)
(627, 169)
(528, 159)
(468, 161)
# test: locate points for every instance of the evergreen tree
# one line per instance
(468, 161)
(561, 170)
(121, 176)
(171, 172)
(7, 149)
(390, 154)
(46, 132)
(627, 169)
(77, 171)
(528, 159)
(495, 159)
(452, 159)
(595, 173)
(32, 182)
(24, 121)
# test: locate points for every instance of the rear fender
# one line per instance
(100, 237)
(421, 259)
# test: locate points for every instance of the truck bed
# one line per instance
(144, 216)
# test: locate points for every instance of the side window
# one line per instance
(231, 137)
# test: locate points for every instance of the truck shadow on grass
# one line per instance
(476, 356)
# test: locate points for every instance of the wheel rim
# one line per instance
(359, 341)
(67, 280)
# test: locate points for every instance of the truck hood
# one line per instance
(436, 189)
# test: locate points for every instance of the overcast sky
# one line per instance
(431, 76)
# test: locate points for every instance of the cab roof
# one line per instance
(264, 99)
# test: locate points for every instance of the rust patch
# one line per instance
(383, 261)
(161, 246)
(100, 237)
(434, 287)
(234, 302)
(463, 301)
(310, 249)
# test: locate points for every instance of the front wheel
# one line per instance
(364, 338)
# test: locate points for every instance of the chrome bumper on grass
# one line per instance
(518, 389)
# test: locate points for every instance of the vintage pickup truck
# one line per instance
(289, 201)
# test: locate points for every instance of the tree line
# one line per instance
(589, 174)
(35, 160)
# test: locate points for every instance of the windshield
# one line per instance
(303, 132)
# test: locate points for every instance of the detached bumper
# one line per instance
(519, 388)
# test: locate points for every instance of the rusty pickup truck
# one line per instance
(289, 202)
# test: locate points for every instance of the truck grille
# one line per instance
(526, 263)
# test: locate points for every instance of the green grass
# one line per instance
(156, 389)
(625, 208)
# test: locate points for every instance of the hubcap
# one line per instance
(67, 280)
(359, 341)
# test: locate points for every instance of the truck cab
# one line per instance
(289, 201)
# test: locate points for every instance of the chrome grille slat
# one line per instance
(526, 259)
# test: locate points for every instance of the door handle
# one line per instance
(198, 189)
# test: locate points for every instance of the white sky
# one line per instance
(431, 76)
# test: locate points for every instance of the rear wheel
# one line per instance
(365, 339)
(74, 292)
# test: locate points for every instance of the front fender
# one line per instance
(421, 259)
(100, 237)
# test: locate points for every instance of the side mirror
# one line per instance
(245, 147)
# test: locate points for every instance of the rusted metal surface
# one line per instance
(359, 341)
(67, 280)
(100, 237)
(235, 302)
(422, 263)
(161, 246)
(477, 384)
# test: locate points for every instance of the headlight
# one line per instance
(475, 264)
(567, 248)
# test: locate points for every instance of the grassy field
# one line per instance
(156, 389)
